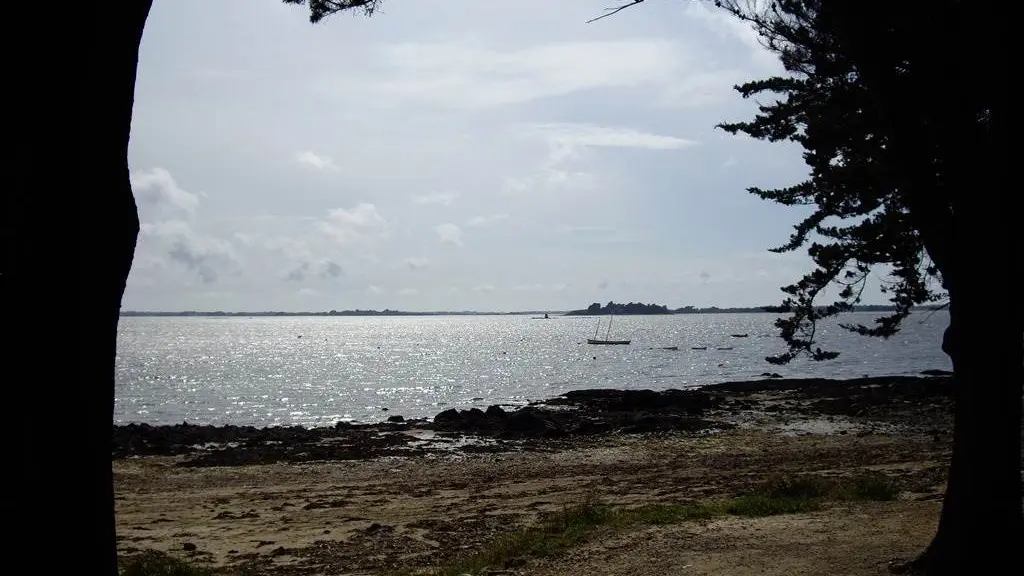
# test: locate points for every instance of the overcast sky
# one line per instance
(452, 155)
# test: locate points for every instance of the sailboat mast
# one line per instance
(609, 332)
(598, 327)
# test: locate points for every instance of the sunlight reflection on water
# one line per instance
(259, 371)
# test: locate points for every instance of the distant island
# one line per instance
(616, 308)
(637, 308)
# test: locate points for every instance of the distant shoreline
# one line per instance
(710, 310)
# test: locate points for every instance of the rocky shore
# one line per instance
(922, 403)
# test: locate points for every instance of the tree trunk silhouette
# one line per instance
(967, 229)
(106, 115)
(981, 523)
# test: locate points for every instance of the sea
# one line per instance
(316, 371)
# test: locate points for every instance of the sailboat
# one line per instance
(606, 339)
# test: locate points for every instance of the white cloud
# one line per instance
(157, 192)
(361, 224)
(416, 263)
(168, 239)
(483, 288)
(442, 198)
(566, 137)
(485, 220)
(408, 292)
(528, 287)
(463, 76)
(449, 234)
(373, 289)
(314, 160)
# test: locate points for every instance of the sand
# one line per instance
(366, 516)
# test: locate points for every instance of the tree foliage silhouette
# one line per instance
(900, 110)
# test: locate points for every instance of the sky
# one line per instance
(452, 155)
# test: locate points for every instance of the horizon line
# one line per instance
(396, 312)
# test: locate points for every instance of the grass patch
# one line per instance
(789, 494)
(782, 494)
(156, 563)
(870, 486)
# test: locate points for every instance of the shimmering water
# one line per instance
(318, 370)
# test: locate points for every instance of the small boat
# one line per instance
(739, 335)
(606, 341)
(724, 348)
(672, 348)
(698, 348)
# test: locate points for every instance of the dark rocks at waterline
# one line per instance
(589, 413)
(689, 402)
(146, 440)
(916, 401)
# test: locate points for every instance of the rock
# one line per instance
(496, 411)
(396, 418)
(188, 547)
(936, 373)
(527, 422)
(449, 417)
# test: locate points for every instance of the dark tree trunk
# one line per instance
(106, 115)
(968, 228)
(981, 527)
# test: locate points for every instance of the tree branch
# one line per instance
(612, 11)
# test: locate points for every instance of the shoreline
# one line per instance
(811, 404)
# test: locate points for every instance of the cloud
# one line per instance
(416, 263)
(483, 288)
(461, 76)
(486, 220)
(442, 198)
(166, 212)
(332, 270)
(408, 292)
(158, 193)
(730, 27)
(449, 234)
(730, 162)
(372, 289)
(298, 274)
(567, 137)
(361, 224)
(528, 287)
(314, 160)
(326, 270)
(206, 256)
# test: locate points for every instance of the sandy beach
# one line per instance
(412, 496)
